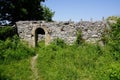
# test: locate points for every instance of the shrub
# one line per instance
(6, 32)
(59, 42)
(79, 39)
(112, 39)
(14, 49)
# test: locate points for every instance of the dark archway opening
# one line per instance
(39, 35)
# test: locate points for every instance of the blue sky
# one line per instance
(85, 9)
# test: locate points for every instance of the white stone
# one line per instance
(94, 36)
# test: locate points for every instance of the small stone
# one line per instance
(94, 36)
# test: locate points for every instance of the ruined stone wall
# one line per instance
(91, 31)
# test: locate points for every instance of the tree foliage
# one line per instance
(15, 10)
(113, 18)
(112, 39)
(47, 13)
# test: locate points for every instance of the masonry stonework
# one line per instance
(34, 31)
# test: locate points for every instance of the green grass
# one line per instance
(85, 62)
(15, 60)
(17, 70)
(14, 49)
(59, 61)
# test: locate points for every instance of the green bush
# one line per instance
(6, 32)
(112, 39)
(59, 42)
(79, 39)
(14, 49)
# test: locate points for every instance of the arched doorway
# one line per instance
(39, 35)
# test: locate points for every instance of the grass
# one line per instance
(17, 70)
(85, 62)
(59, 61)
(15, 60)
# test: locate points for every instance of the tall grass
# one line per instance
(14, 49)
(17, 70)
(15, 60)
(73, 62)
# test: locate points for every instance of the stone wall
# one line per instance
(91, 31)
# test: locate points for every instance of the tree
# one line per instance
(15, 10)
(47, 13)
(112, 19)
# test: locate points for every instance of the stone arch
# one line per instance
(39, 35)
(40, 31)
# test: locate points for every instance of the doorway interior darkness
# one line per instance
(39, 35)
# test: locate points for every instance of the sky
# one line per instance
(76, 10)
